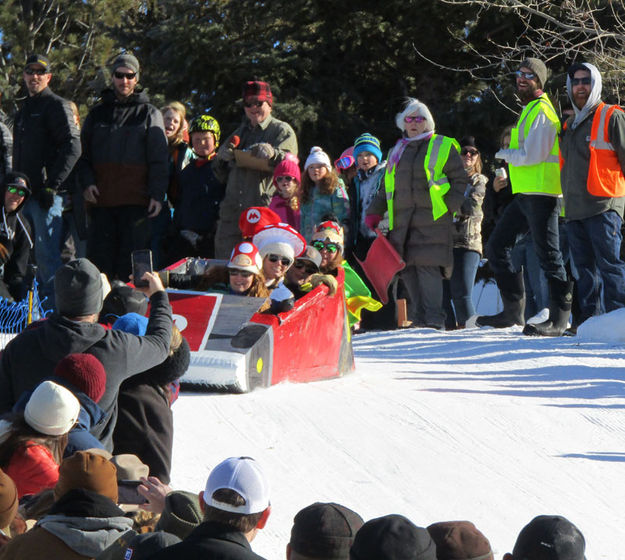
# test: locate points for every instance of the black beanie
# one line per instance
(78, 289)
(392, 537)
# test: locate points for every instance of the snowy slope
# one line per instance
(484, 425)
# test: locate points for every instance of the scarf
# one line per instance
(400, 146)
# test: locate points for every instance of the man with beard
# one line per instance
(593, 185)
(535, 178)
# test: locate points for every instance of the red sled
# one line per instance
(381, 265)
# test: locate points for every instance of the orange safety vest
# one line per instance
(605, 175)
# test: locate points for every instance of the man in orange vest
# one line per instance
(592, 150)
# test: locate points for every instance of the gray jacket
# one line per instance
(32, 356)
(575, 150)
(468, 220)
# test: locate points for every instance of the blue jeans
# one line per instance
(595, 245)
(537, 214)
(47, 236)
(536, 288)
(461, 283)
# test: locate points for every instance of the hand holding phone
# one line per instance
(141, 263)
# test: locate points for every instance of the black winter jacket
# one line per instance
(16, 241)
(145, 424)
(46, 141)
(32, 356)
(125, 151)
(210, 540)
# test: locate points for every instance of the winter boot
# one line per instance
(513, 298)
(560, 300)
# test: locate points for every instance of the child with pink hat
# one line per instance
(287, 179)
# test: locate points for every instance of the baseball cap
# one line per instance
(40, 59)
(243, 475)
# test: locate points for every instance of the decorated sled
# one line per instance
(235, 348)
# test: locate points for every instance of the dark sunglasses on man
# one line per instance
(526, 75)
(250, 104)
(309, 269)
(35, 71)
(275, 258)
(122, 75)
(581, 81)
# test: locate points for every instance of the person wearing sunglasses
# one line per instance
(15, 238)
(46, 146)
(279, 245)
(592, 148)
(304, 275)
(124, 170)
(534, 170)
(286, 180)
(467, 240)
(425, 182)
(268, 140)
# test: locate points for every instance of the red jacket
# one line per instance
(33, 469)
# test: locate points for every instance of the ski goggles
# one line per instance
(329, 247)
(19, 191)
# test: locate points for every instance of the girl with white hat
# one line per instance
(33, 442)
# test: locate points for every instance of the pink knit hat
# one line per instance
(288, 166)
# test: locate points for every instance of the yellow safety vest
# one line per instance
(435, 159)
(543, 177)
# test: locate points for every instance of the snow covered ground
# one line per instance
(485, 425)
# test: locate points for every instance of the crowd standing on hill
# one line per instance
(86, 394)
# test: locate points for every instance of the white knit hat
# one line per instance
(317, 155)
(52, 409)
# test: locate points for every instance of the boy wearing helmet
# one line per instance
(197, 209)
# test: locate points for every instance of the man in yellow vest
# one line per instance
(593, 159)
(535, 178)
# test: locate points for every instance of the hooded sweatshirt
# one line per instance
(81, 524)
(16, 242)
(574, 148)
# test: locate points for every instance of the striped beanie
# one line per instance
(367, 143)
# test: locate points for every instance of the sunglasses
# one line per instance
(275, 258)
(526, 75)
(465, 152)
(250, 104)
(235, 272)
(309, 269)
(122, 75)
(417, 119)
(580, 81)
(329, 247)
(19, 191)
(35, 71)
(287, 178)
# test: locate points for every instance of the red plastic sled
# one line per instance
(381, 264)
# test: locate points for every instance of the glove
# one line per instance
(326, 279)
(262, 150)
(46, 198)
(372, 221)
(225, 153)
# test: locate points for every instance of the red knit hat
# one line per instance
(255, 218)
(85, 372)
(261, 90)
(288, 166)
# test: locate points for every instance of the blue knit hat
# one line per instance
(367, 143)
(132, 323)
